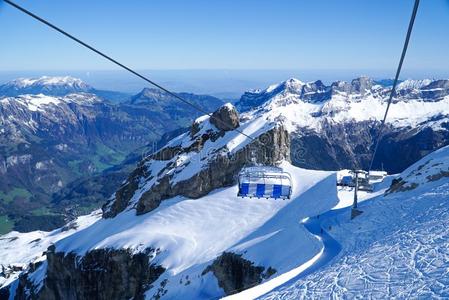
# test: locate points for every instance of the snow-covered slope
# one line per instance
(190, 234)
(189, 239)
(18, 250)
(398, 247)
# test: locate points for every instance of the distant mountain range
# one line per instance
(57, 86)
(56, 130)
(334, 126)
(54, 86)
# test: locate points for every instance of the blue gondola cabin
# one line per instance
(265, 182)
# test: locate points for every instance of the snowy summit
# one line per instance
(54, 86)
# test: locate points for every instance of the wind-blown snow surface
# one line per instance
(191, 233)
(397, 248)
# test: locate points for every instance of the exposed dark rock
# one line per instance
(341, 86)
(235, 274)
(399, 185)
(100, 274)
(167, 153)
(225, 118)
(362, 85)
(195, 128)
(347, 146)
(316, 92)
(337, 146)
(123, 194)
(438, 176)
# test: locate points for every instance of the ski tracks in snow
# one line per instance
(398, 250)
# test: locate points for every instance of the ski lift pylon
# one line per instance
(264, 182)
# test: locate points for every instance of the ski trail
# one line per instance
(330, 249)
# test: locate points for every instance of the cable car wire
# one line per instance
(395, 82)
(176, 96)
(199, 108)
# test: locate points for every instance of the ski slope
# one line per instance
(397, 248)
(330, 247)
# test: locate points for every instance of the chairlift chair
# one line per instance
(264, 182)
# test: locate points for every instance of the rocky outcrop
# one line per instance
(225, 118)
(235, 274)
(221, 169)
(100, 274)
(337, 146)
(362, 84)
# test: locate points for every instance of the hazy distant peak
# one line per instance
(56, 86)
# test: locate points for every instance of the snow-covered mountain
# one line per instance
(55, 86)
(179, 247)
(176, 229)
(309, 105)
(157, 240)
(334, 127)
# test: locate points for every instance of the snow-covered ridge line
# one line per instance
(56, 86)
(309, 105)
(45, 80)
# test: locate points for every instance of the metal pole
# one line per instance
(356, 188)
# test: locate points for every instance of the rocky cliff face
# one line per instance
(235, 274)
(219, 168)
(348, 146)
(100, 274)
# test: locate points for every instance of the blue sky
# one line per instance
(236, 34)
(312, 37)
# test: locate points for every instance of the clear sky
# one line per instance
(233, 34)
